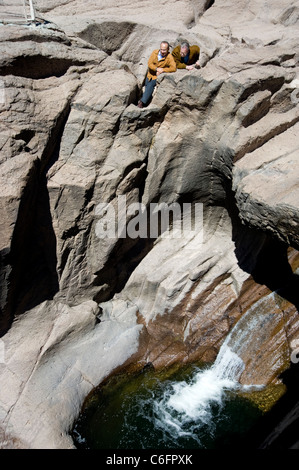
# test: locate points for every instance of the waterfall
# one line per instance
(203, 410)
(188, 406)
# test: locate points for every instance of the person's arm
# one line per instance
(177, 58)
(193, 59)
(181, 65)
(170, 64)
(194, 54)
(153, 62)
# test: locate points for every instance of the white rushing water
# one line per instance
(204, 410)
(207, 386)
(188, 406)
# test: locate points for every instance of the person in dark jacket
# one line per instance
(186, 56)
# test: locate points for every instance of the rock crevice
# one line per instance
(78, 304)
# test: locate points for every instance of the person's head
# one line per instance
(185, 47)
(164, 48)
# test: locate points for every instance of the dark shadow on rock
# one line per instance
(264, 257)
(38, 66)
(28, 269)
(127, 253)
(266, 260)
(38, 279)
(31, 261)
(107, 36)
(278, 428)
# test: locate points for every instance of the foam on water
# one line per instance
(197, 411)
(185, 407)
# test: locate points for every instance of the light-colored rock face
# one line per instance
(268, 178)
(76, 305)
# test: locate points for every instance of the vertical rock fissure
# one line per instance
(31, 261)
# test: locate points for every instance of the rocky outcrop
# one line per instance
(267, 188)
(78, 304)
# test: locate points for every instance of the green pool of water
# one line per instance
(130, 412)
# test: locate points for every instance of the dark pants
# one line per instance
(149, 88)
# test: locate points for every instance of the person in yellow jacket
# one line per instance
(160, 61)
(186, 56)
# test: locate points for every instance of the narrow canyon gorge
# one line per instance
(77, 153)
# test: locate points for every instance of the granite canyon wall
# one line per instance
(76, 306)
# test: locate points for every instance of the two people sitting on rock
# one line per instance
(161, 60)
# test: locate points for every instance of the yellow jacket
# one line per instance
(166, 63)
(193, 56)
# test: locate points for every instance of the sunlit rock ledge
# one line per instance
(75, 307)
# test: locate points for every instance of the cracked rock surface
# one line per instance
(76, 305)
